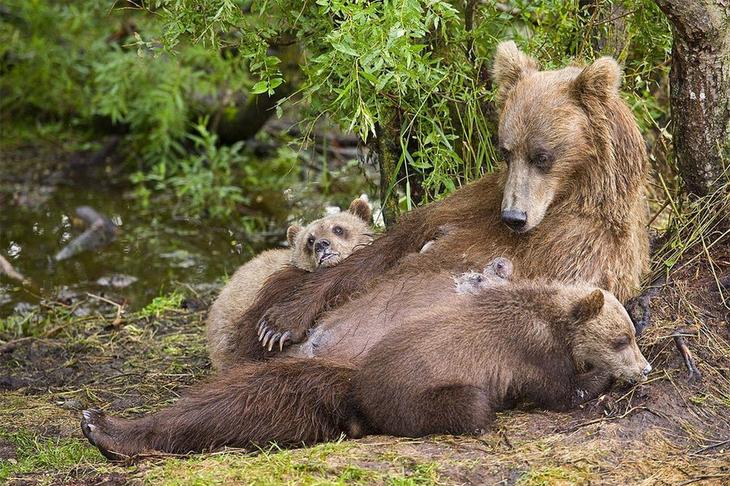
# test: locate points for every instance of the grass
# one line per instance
(665, 431)
(553, 475)
(52, 454)
(161, 304)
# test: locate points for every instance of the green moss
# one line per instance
(551, 475)
(419, 474)
(161, 304)
(324, 464)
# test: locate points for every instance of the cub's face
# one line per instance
(605, 338)
(544, 131)
(497, 272)
(326, 242)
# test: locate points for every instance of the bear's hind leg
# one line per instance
(115, 438)
(289, 402)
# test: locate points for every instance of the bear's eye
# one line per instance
(310, 241)
(621, 342)
(542, 160)
(338, 230)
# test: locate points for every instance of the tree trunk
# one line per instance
(248, 117)
(700, 89)
(387, 150)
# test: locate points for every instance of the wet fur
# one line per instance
(240, 291)
(508, 344)
(593, 230)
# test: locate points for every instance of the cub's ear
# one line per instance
(589, 306)
(510, 65)
(360, 208)
(598, 81)
(291, 234)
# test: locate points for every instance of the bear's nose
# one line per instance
(646, 370)
(321, 245)
(514, 219)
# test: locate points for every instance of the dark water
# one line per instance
(160, 252)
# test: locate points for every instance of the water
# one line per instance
(160, 252)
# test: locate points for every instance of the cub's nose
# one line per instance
(514, 219)
(321, 245)
(646, 370)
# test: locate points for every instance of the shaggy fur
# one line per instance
(304, 243)
(550, 345)
(287, 402)
(576, 168)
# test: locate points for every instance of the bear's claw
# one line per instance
(94, 429)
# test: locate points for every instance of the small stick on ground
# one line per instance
(10, 271)
(694, 372)
(120, 308)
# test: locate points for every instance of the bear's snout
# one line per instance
(515, 219)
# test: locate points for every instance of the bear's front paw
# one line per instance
(277, 330)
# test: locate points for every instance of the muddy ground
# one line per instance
(671, 430)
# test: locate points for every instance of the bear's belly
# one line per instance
(348, 332)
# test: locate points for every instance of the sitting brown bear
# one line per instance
(323, 243)
(548, 344)
(567, 205)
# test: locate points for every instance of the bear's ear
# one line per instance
(598, 81)
(291, 234)
(359, 207)
(589, 306)
(510, 65)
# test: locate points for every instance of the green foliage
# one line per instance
(415, 70)
(420, 66)
(162, 304)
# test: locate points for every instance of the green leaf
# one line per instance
(260, 87)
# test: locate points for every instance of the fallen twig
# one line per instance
(10, 346)
(703, 478)
(694, 372)
(120, 308)
(10, 271)
(711, 447)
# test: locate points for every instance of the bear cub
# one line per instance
(323, 243)
(546, 344)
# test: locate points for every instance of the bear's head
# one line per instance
(603, 337)
(327, 241)
(547, 129)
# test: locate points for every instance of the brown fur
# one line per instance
(549, 345)
(287, 402)
(348, 333)
(546, 344)
(240, 291)
(585, 208)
